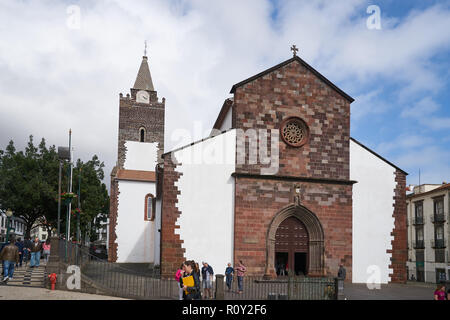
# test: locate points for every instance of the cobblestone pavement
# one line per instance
(28, 293)
(410, 291)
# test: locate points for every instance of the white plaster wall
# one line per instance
(206, 200)
(135, 236)
(226, 124)
(141, 155)
(372, 213)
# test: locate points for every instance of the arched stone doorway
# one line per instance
(313, 250)
(291, 247)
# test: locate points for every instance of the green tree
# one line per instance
(29, 186)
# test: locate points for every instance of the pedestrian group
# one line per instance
(189, 273)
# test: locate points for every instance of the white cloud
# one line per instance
(53, 78)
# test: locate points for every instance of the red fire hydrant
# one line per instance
(52, 278)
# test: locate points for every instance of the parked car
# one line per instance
(99, 251)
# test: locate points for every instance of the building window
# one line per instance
(418, 213)
(419, 238)
(439, 255)
(294, 132)
(142, 135)
(150, 203)
(439, 210)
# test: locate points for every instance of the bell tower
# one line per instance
(133, 179)
(141, 114)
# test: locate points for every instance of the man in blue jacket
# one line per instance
(207, 277)
(20, 245)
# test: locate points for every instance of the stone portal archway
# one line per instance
(315, 250)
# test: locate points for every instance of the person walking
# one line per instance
(240, 272)
(20, 245)
(10, 257)
(439, 293)
(342, 272)
(35, 253)
(207, 277)
(178, 276)
(229, 271)
(46, 247)
(27, 244)
(191, 282)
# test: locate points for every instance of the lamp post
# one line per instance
(9, 214)
(63, 154)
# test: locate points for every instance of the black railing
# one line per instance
(438, 243)
(418, 220)
(419, 244)
(288, 288)
(438, 218)
(114, 279)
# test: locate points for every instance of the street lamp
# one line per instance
(63, 154)
(9, 214)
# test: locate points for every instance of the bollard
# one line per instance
(220, 295)
(339, 288)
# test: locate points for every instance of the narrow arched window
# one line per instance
(142, 135)
(149, 208)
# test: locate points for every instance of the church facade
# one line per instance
(279, 184)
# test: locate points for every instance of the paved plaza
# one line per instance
(409, 291)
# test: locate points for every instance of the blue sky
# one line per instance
(62, 69)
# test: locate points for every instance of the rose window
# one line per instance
(294, 132)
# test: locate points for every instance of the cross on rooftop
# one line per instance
(294, 50)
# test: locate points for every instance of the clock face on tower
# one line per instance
(142, 97)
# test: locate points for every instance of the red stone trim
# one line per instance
(400, 232)
(114, 203)
(172, 253)
(136, 175)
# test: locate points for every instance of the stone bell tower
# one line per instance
(140, 149)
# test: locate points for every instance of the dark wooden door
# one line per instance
(291, 238)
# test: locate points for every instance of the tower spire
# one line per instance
(144, 78)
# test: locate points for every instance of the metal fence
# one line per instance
(289, 288)
(116, 279)
(124, 282)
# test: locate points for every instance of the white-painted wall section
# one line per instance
(135, 236)
(226, 124)
(206, 199)
(141, 156)
(372, 214)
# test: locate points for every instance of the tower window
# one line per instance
(142, 135)
(150, 203)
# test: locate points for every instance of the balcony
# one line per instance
(417, 221)
(418, 244)
(438, 243)
(438, 218)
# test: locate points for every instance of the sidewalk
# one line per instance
(8, 292)
(409, 291)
